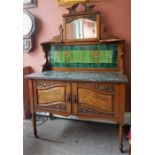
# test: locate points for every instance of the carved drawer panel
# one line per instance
(43, 84)
(109, 88)
(85, 110)
(59, 107)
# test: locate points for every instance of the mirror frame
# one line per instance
(73, 14)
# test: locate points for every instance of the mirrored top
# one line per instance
(81, 29)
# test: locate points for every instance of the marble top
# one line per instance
(80, 76)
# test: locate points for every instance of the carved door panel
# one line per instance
(54, 96)
(94, 99)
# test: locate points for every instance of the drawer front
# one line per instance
(53, 96)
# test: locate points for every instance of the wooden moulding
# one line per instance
(85, 69)
(107, 40)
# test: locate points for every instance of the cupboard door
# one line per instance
(94, 99)
(53, 96)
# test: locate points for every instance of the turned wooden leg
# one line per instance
(121, 137)
(34, 125)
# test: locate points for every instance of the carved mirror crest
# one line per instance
(81, 25)
(71, 2)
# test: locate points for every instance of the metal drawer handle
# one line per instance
(75, 98)
(68, 98)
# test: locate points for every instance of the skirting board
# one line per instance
(126, 121)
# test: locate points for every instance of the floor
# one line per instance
(68, 137)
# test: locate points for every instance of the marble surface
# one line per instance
(80, 76)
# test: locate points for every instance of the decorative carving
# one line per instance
(72, 18)
(59, 38)
(96, 56)
(88, 8)
(72, 9)
(44, 84)
(59, 107)
(105, 36)
(61, 33)
(71, 2)
(106, 87)
(46, 47)
(86, 110)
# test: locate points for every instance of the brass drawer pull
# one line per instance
(68, 98)
(75, 98)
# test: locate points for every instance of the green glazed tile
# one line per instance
(81, 57)
(96, 56)
(95, 65)
(55, 57)
(73, 65)
(84, 56)
(55, 65)
(67, 65)
(62, 57)
(74, 57)
(87, 56)
(101, 47)
(75, 48)
(90, 65)
(87, 65)
(65, 48)
(80, 65)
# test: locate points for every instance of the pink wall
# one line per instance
(116, 14)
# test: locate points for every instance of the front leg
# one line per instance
(121, 138)
(32, 107)
(34, 125)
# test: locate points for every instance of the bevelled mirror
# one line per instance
(81, 26)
